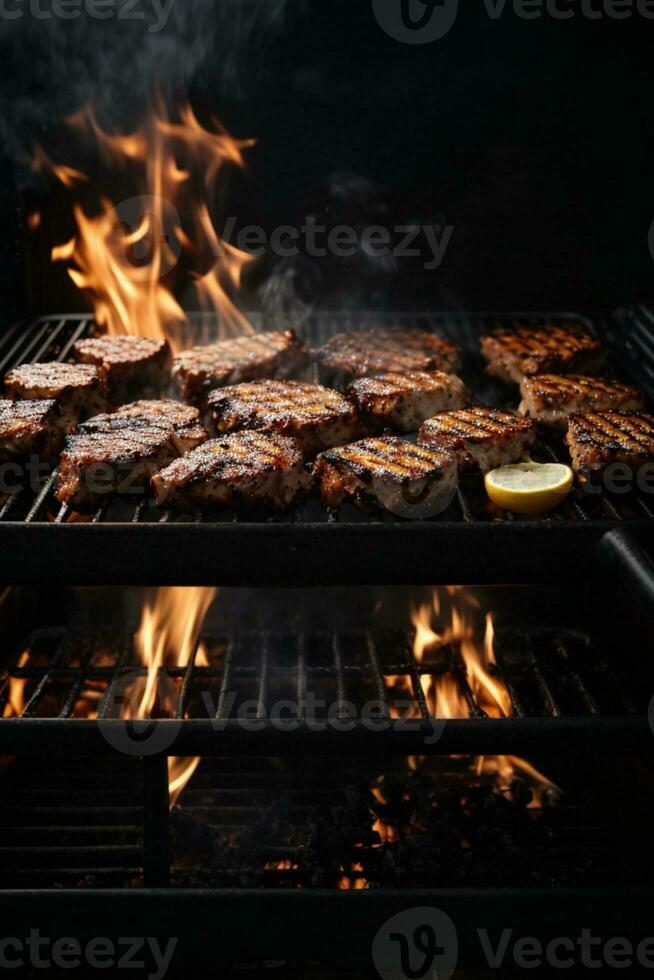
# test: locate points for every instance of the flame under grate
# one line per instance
(546, 673)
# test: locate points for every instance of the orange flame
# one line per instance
(124, 255)
(443, 693)
(168, 636)
(16, 698)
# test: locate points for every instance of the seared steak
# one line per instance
(552, 398)
(317, 417)
(112, 455)
(29, 428)
(188, 431)
(131, 365)
(403, 401)
(78, 389)
(263, 355)
(365, 352)
(512, 354)
(389, 474)
(596, 439)
(241, 471)
(479, 437)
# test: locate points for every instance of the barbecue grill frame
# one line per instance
(286, 553)
(331, 927)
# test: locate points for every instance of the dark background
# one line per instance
(533, 138)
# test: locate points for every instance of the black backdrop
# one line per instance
(534, 139)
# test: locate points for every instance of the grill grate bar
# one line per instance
(302, 676)
(33, 703)
(187, 681)
(62, 669)
(125, 651)
(226, 681)
(71, 699)
(573, 673)
(37, 506)
(341, 693)
(375, 669)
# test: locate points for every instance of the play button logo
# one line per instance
(416, 21)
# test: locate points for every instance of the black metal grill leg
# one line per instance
(156, 852)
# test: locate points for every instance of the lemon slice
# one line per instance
(529, 488)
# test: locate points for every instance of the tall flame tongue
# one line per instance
(444, 694)
(168, 636)
(125, 253)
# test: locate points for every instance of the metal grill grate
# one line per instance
(317, 676)
(52, 338)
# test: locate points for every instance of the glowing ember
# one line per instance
(124, 254)
(168, 636)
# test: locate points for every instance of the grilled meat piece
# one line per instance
(188, 431)
(201, 369)
(403, 401)
(131, 365)
(29, 428)
(479, 437)
(241, 471)
(317, 417)
(410, 481)
(365, 352)
(512, 354)
(551, 398)
(596, 439)
(77, 388)
(112, 455)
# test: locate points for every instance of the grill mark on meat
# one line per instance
(28, 427)
(512, 353)
(483, 437)
(240, 359)
(113, 350)
(559, 340)
(127, 362)
(50, 379)
(317, 416)
(479, 423)
(400, 459)
(596, 439)
(553, 388)
(368, 352)
(407, 480)
(242, 470)
(614, 431)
